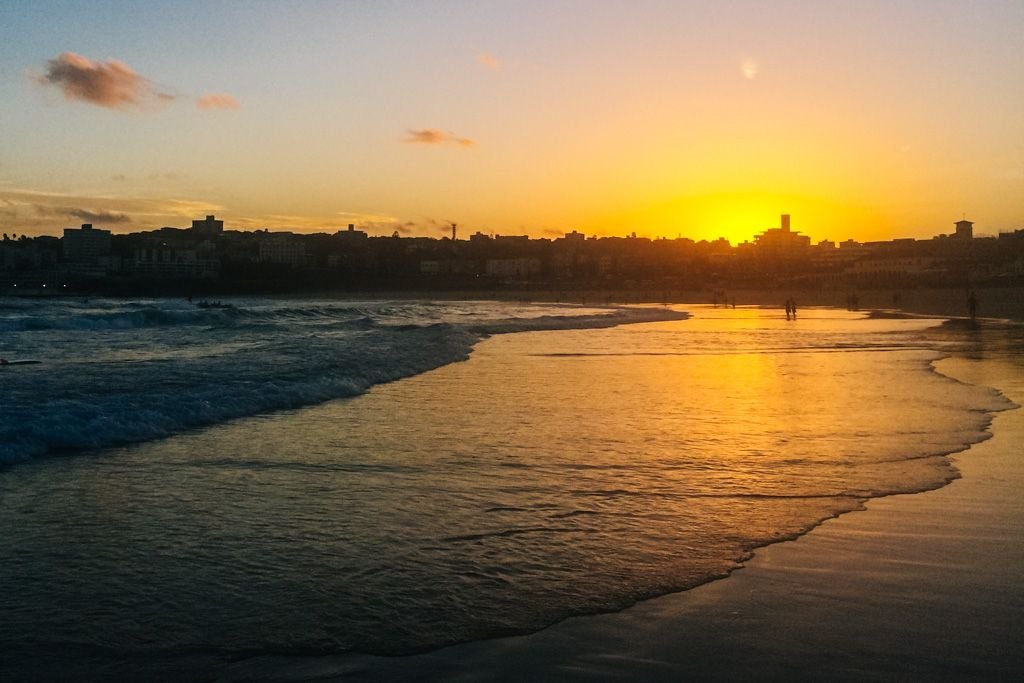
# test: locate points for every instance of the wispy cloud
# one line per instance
(98, 216)
(111, 84)
(217, 101)
(381, 224)
(369, 222)
(36, 212)
(167, 176)
(433, 136)
(44, 212)
(488, 61)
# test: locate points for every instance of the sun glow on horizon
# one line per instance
(740, 216)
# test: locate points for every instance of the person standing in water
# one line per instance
(972, 305)
(790, 308)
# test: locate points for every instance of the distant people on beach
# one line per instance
(790, 308)
(972, 305)
(852, 302)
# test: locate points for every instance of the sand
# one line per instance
(917, 587)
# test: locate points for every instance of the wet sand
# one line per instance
(923, 586)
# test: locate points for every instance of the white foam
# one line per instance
(299, 356)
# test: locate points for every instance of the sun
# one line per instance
(735, 216)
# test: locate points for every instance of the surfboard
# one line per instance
(21, 362)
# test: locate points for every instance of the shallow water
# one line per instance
(555, 473)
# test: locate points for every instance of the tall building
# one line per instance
(85, 244)
(210, 227)
(781, 242)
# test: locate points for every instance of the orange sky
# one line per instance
(869, 120)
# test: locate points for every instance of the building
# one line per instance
(781, 242)
(351, 234)
(210, 227)
(283, 248)
(964, 230)
(162, 261)
(86, 244)
(512, 267)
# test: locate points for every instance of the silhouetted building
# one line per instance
(210, 226)
(85, 244)
(964, 230)
(512, 267)
(283, 248)
(781, 243)
(351, 233)
(162, 261)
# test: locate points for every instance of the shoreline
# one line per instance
(994, 302)
(858, 596)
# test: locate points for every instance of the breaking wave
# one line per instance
(198, 367)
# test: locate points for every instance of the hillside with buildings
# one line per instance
(206, 258)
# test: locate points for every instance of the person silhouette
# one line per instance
(972, 305)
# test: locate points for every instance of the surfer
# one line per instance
(3, 361)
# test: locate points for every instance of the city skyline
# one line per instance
(451, 232)
(870, 121)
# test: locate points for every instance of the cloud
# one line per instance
(167, 176)
(375, 223)
(369, 222)
(488, 61)
(112, 84)
(98, 216)
(46, 212)
(427, 136)
(433, 136)
(217, 101)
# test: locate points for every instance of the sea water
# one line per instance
(186, 487)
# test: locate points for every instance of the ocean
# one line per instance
(182, 488)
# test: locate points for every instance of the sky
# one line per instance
(862, 119)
